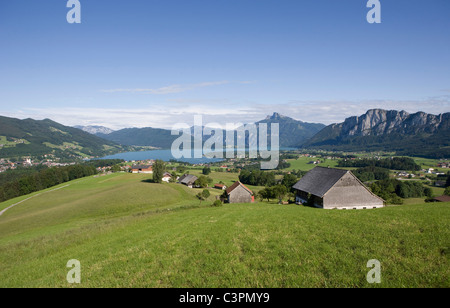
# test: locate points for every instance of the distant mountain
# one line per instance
(34, 138)
(292, 133)
(419, 134)
(155, 137)
(95, 130)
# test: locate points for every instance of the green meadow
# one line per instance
(303, 163)
(129, 232)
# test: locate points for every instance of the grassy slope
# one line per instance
(120, 230)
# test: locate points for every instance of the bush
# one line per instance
(217, 203)
(396, 200)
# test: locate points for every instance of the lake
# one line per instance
(166, 155)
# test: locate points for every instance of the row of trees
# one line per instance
(44, 179)
(396, 163)
(257, 178)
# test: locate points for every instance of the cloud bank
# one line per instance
(222, 112)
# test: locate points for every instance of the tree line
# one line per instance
(396, 163)
(371, 173)
(44, 179)
(257, 178)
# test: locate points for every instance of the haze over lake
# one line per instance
(165, 155)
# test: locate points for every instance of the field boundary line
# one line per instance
(11, 206)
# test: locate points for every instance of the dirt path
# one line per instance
(11, 206)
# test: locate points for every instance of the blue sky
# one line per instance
(142, 63)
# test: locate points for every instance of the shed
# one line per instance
(331, 188)
(239, 193)
(220, 186)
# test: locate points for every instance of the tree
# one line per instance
(158, 171)
(203, 181)
(206, 170)
(288, 181)
(280, 191)
(447, 191)
(267, 193)
(291, 196)
(203, 195)
(428, 192)
(181, 169)
(116, 168)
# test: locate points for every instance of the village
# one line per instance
(25, 162)
(320, 176)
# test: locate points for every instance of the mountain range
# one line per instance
(417, 134)
(148, 136)
(35, 138)
(292, 133)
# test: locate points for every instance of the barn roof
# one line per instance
(319, 180)
(188, 179)
(141, 167)
(235, 185)
(443, 198)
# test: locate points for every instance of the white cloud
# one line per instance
(176, 88)
(222, 112)
(157, 117)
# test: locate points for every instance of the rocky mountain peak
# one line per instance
(276, 116)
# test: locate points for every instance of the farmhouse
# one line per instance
(188, 180)
(238, 193)
(166, 177)
(331, 188)
(142, 169)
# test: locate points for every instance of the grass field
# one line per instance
(302, 163)
(6, 143)
(127, 232)
(426, 163)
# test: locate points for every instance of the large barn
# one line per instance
(331, 188)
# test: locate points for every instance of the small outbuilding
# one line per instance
(220, 186)
(239, 193)
(142, 169)
(331, 188)
(188, 180)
